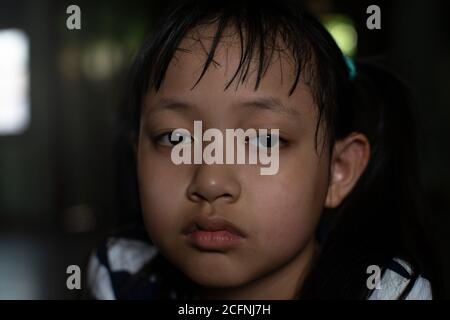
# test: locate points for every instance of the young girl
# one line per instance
(339, 219)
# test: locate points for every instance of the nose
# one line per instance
(214, 182)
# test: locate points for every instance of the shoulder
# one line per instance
(115, 261)
(398, 281)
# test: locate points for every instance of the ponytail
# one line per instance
(382, 218)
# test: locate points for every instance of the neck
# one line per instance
(281, 284)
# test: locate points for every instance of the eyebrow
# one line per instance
(261, 103)
(165, 104)
(269, 103)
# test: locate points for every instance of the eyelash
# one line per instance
(158, 138)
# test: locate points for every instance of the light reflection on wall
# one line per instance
(101, 59)
(96, 61)
(14, 82)
(343, 30)
(21, 268)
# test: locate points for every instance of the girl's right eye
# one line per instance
(174, 137)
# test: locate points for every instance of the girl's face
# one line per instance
(277, 214)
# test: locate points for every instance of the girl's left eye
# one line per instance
(174, 137)
(267, 141)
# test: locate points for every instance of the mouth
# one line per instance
(213, 234)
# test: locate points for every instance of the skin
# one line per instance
(279, 213)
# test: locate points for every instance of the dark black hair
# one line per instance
(382, 218)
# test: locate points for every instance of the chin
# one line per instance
(215, 280)
(216, 277)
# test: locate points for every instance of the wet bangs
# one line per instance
(264, 36)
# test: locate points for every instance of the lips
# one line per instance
(213, 233)
(213, 224)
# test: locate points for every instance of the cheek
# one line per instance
(161, 190)
(289, 205)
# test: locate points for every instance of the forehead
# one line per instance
(185, 79)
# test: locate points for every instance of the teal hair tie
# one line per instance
(351, 67)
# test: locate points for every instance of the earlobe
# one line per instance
(348, 162)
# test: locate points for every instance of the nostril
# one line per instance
(227, 195)
(211, 191)
(197, 197)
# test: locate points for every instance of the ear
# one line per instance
(348, 161)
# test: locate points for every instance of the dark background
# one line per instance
(58, 179)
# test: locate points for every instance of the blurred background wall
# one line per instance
(58, 179)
